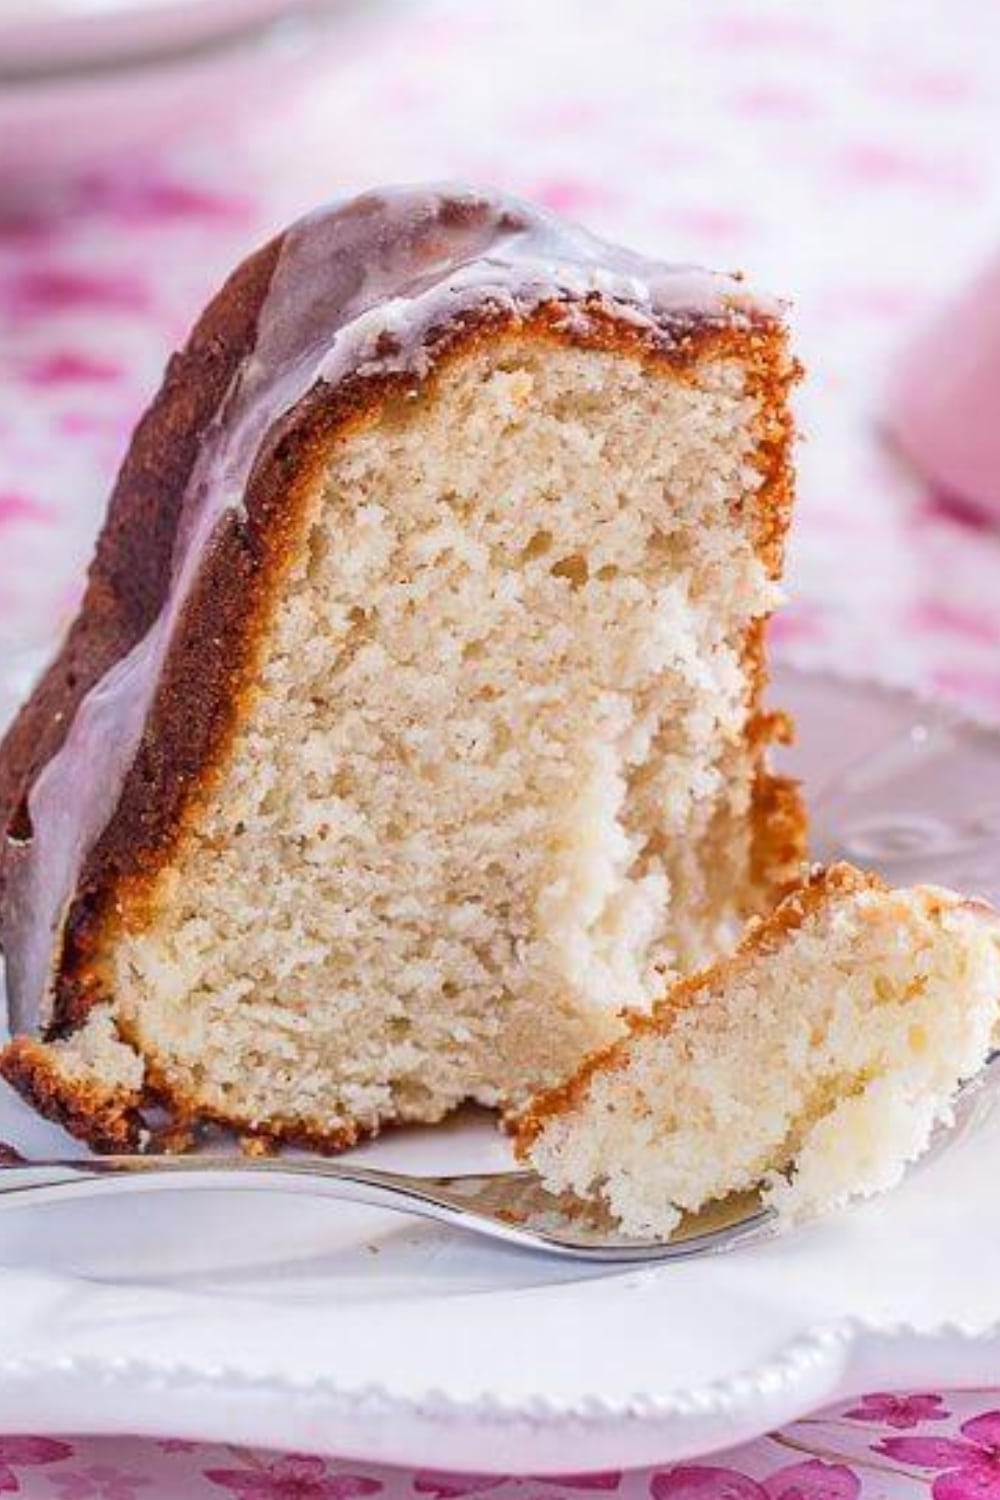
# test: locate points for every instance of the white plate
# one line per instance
(39, 37)
(84, 83)
(331, 1329)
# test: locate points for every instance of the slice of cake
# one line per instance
(412, 722)
(817, 1060)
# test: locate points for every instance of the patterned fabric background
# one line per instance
(843, 155)
(880, 1447)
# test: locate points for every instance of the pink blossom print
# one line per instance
(98, 1482)
(753, 31)
(813, 1480)
(296, 1477)
(16, 506)
(568, 196)
(145, 200)
(70, 367)
(453, 1486)
(609, 1480)
(457, 1486)
(704, 1482)
(40, 291)
(938, 615)
(969, 1466)
(943, 1446)
(899, 1411)
(961, 683)
(27, 1453)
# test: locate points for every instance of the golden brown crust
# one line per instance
(188, 1117)
(780, 832)
(762, 935)
(112, 1121)
(211, 665)
(130, 572)
(107, 1119)
(779, 825)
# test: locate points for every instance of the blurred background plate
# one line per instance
(80, 79)
(42, 37)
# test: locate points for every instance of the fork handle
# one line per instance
(24, 1183)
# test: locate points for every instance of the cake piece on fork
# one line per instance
(816, 1060)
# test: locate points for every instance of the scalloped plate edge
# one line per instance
(823, 1365)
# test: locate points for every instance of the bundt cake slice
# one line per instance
(412, 722)
(817, 1059)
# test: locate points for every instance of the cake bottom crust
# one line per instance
(107, 1119)
(120, 1120)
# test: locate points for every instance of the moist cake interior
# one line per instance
(495, 781)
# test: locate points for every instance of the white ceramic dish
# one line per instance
(87, 82)
(43, 36)
(320, 1327)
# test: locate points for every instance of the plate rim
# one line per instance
(714, 1398)
(488, 1434)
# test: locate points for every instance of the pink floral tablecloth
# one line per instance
(879, 1447)
(845, 155)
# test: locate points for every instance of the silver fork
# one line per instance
(510, 1206)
